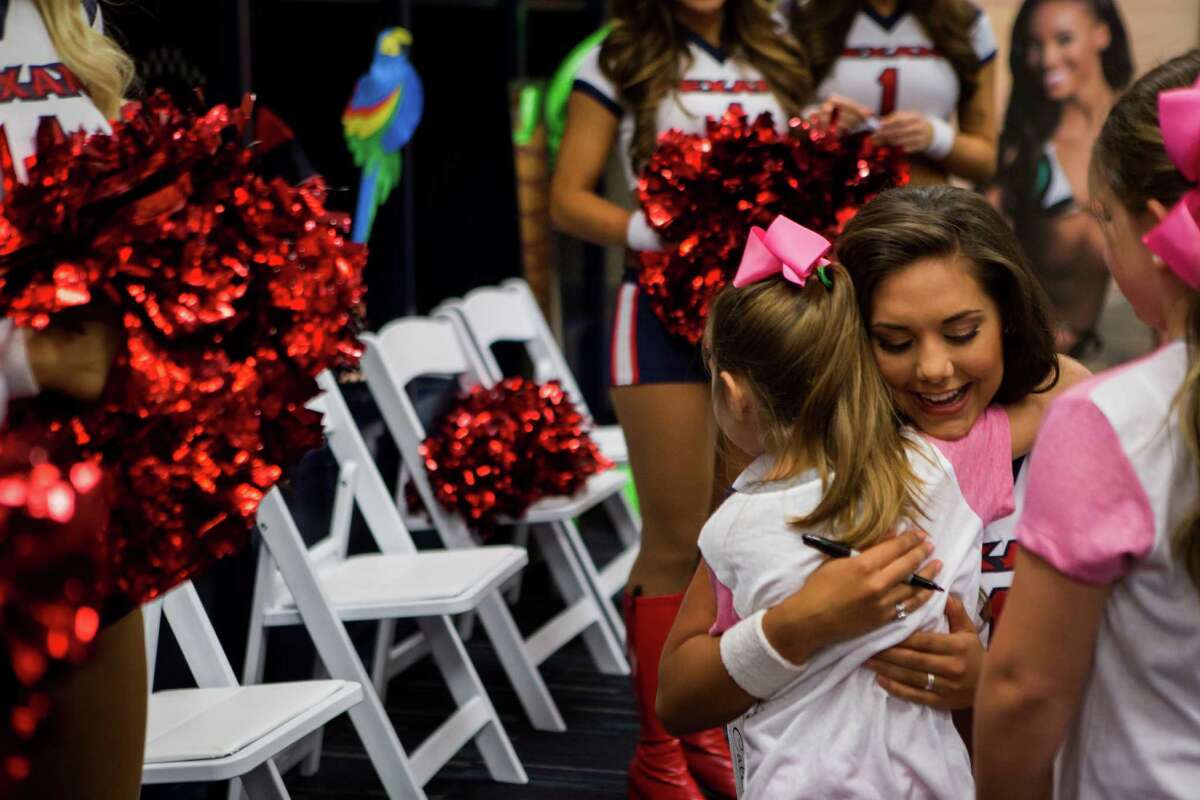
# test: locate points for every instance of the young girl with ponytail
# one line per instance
(795, 383)
(1096, 660)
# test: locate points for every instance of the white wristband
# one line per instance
(752, 662)
(943, 138)
(640, 236)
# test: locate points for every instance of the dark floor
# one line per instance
(586, 762)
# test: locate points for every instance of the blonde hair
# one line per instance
(804, 354)
(644, 53)
(103, 68)
(1130, 160)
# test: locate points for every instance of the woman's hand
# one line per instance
(908, 130)
(73, 361)
(954, 659)
(847, 597)
(849, 115)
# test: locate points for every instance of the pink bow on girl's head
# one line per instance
(1176, 240)
(786, 247)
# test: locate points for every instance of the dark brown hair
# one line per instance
(805, 356)
(644, 56)
(1130, 160)
(821, 27)
(902, 226)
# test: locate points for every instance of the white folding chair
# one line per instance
(489, 315)
(321, 589)
(220, 730)
(413, 347)
(350, 451)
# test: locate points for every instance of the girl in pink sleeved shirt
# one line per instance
(1093, 681)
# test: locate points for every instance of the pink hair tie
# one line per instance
(785, 248)
(1176, 239)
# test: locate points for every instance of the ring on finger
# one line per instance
(929, 679)
(901, 611)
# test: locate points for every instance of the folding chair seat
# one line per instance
(410, 348)
(220, 730)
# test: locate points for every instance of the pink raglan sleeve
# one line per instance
(982, 462)
(1086, 513)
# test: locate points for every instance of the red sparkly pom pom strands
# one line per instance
(704, 193)
(230, 292)
(500, 450)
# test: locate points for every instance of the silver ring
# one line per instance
(901, 611)
(929, 681)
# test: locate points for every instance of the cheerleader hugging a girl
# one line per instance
(796, 384)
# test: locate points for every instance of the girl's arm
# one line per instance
(575, 208)
(1033, 678)
(973, 155)
(842, 599)
(1025, 417)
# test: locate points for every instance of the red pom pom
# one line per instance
(231, 291)
(498, 451)
(704, 193)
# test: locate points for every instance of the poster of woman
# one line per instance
(1067, 60)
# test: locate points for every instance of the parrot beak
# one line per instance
(393, 42)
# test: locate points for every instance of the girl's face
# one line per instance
(936, 337)
(1129, 261)
(1065, 42)
(735, 410)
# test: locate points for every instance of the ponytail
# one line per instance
(103, 68)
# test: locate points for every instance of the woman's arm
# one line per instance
(973, 155)
(575, 208)
(842, 599)
(1025, 417)
(1033, 678)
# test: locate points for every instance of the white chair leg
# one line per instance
(627, 521)
(466, 625)
(337, 652)
(570, 574)
(264, 783)
(512, 589)
(385, 634)
(313, 745)
(531, 689)
(455, 665)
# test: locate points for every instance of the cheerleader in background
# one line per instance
(666, 64)
(1096, 661)
(905, 68)
(71, 72)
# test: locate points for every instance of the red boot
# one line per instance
(658, 770)
(707, 757)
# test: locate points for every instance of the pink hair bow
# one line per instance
(1176, 240)
(786, 248)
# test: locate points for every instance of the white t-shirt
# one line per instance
(890, 64)
(834, 732)
(1110, 478)
(710, 84)
(34, 83)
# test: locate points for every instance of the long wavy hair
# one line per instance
(1129, 159)
(103, 68)
(821, 27)
(804, 354)
(1031, 117)
(645, 56)
(903, 226)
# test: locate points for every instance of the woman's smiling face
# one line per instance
(937, 339)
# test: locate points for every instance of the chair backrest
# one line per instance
(403, 350)
(510, 313)
(183, 611)
(368, 489)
